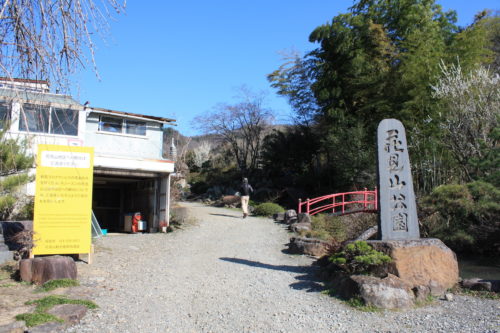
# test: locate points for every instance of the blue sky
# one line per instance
(179, 59)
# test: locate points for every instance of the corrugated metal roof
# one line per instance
(38, 97)
(8, 79)
(125, 114)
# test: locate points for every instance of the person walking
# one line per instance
(245, 191)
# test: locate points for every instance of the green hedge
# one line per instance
(267, 209)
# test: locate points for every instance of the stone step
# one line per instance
(3, 246)
(5, 256)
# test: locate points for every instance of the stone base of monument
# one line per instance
(424, 263)
(419, 268)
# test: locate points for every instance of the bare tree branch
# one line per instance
(48, 40)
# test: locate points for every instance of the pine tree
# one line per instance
(15, 163)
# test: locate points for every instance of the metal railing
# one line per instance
(341, 203)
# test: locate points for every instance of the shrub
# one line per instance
(466, 217)
(267, 209)
(359, 258)
(327, 227)
(340, 228)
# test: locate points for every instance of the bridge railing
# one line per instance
(341, 203)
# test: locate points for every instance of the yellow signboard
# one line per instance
(63, 199)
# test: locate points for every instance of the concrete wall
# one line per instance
(118, 144)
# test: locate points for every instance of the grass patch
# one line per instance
(54, 284)
(355, 302)
(40, 316)
(359, 304)
(427, 301)
(35, 319)
(44, 304)
(330, 292)
(7, 285)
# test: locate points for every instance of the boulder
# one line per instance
(367, 234)
(48, 328)
(420, 262)
(290, 216)
(42, 269)
(70, 313)
(311, 246)
(481, 285)
(390, 292)
(343, 285)
(421, 293)
(14, 327)
(229, 200)
(279, 217)
(303, 218)
(298, 227)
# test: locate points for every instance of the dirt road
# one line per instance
(228, 274)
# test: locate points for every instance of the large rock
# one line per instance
(290, 216)
(231, 200)
(303, 218)
(298, 227)
(390, 292)
(311, 246)
(70, 313)
(52, 327)
(14, 327)
(481, 284)
(368, 234)
(279, 217)
(42, 269)
(422, 262)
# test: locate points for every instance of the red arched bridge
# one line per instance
(341, 203)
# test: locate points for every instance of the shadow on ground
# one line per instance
(226, 215)
(307, 280)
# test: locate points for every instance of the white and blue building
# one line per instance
(131, 171)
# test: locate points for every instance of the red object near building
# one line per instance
(135, 222)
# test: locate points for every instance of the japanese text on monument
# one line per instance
(396, 181)
(398, 215)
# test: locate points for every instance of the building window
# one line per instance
(44, 119)
(34, 118)
(135, 127)
(64, 121)
(4, 114)
(124, 126)
(109, 124)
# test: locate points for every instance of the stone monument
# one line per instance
(398, 211)
(426, 265)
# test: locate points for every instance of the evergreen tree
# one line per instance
(379, 61)
(14, 166)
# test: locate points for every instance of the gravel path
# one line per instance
(226, 274)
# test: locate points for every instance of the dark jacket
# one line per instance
(246, 189)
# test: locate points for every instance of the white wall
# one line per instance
(118, 144)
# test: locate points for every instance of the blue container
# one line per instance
(104, 232)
